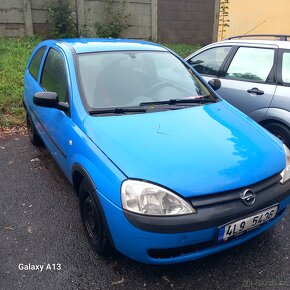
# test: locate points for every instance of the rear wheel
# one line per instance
(33, 136)
(280, 131)
(93, 220)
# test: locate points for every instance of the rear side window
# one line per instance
(210, 61)
(35, 63)
(251, 64)
(54, 77)
(286, 67)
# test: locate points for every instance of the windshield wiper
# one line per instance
(202, 100)
(117, 111)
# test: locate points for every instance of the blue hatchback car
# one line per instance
(164, 169)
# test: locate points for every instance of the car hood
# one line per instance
(193, 151)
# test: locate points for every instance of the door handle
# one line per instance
(255, 91)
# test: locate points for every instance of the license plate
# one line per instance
(247, 224)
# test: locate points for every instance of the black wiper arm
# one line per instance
(117, 111)
(201, 100)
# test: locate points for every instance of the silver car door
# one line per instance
(282, 94)
(248, 81)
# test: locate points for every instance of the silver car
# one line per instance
(254, 75)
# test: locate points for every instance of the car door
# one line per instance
(55, 125)
(282, 95)
(247, 75)
(248, 80)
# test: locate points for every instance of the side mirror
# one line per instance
(46, 99)
(49, 100)
(215, 84)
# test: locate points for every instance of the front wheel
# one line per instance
(280, 131)
(93, 220)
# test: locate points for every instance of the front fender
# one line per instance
(103, 174)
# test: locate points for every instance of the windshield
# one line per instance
(129, 78)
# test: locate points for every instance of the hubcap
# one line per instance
(90, 218)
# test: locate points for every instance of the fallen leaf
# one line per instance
(35, 160)
(166, 279)
(9, 228)
(29, 229)
(119, 282)
(10, 162)
(14, 130)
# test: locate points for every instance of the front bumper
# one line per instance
(165, 243)
(214, 210)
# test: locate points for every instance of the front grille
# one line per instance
(231, 195)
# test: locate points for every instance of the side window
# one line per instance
(251, 64)
(210, 61)
(286, 67)
(35, 63)
(54, 77)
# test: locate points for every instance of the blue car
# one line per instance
(164, 169)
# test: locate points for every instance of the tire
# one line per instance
(33, 136)
(280, 131)
(93, 220)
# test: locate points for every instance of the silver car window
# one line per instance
(286, 67)
(251, 64)
(209, 62)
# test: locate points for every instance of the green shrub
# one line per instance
(117, 19)
(63, 19)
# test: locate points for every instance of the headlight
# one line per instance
(286, 172)
(149, 199)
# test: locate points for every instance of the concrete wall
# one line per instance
(186, 21)
(12, 16)
(140, 19)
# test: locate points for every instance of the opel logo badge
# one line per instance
(248, 197)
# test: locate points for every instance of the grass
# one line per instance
(14, 54)
(183, 50)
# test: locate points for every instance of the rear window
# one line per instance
(35, 63)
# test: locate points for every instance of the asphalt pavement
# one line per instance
(40, 225)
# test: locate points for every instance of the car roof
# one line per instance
(279, 43)
(87, 45)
